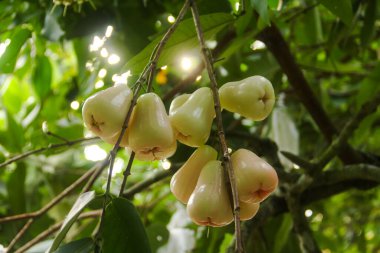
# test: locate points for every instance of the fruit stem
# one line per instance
(147, 73)
(208, 60)
(160, 46)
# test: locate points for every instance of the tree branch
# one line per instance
(161, 175)
(41, 150)
(208, 60)
(54, 201)
(301, 225)
(54, 228)
(34, 215)
(276, 43)
(365, 110)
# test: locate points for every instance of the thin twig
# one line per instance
(280, 49)
(301, 12)
(20, 234)
(304, 233)
(365, 110)
(53, 202)
(54, 228)
(34, 215)
(151, 69)
(190, 79)
(40, 150)
(140, 186)
(126, 173)
(160, 46)
(317, 164)
(95, 175)
(207, 57)
(57, 136)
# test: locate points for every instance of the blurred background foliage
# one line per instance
(53, 56)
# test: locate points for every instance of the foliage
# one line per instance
(51, 61)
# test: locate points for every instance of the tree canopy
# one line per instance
(62, 189)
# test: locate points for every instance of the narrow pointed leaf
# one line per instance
(9, 58)
(182, 40)
(261, 6)
(42, 76)
(83, 200)
(84, 245)
(340, 8)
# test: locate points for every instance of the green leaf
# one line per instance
(228, 238)
(13, 138)
(369, 87)
(84, 245)
(368, 29)
(42, 76)
(83, 200)
(15, 94)
(261, 6)
(245, 21)
(273, 4)
(9, 58)
(123, 231)
(183, 39)
(283, 233)
(16, 189)
(309, 30)
(340, 8)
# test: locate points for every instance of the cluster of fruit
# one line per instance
(200, 184)
(152, 134)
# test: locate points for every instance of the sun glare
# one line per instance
(94, 153)
(75, 105)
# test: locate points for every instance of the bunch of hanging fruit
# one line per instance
(152, 134)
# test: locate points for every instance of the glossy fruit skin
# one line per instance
(248, 210)
(255, 178)
(192, 116)
(252, 97)
(104, 112)
(185, 179)
(209, 204)
(151, 135)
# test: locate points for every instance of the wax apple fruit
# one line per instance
(255, 178)
(151, 135)
(252, 97)
(248, 210)
(104, 112)
(185, 179)
(209, 204)
(192, 116)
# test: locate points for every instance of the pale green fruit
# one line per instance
(255, 178)
(209, 204)
(248, 210)
(192, 116)
(151, 135)
(185, 179)
(252, 97)
(104, 112)
(178, 102)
